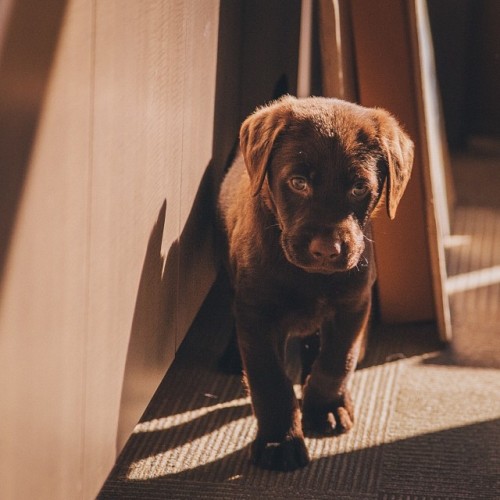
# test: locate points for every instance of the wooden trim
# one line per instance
(434, 155)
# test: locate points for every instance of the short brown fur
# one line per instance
(296, 207)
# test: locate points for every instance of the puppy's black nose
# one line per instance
(325, 249)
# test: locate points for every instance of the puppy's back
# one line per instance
(235, 194)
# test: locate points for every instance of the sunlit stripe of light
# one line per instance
(236, 436)
(163, 423)
(472, 280)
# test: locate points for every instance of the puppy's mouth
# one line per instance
(314, 268)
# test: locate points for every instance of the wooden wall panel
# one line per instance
(153, 120)
(201, 38)
(91, 275)
(43, 290)
(134, 140)
(268, 52)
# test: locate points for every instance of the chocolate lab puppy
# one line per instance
(296, 206)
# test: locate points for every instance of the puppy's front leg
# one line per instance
(279, 444)
(327, 405)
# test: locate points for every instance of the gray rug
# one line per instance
(473, 259)
(427, 418)
(426, 428)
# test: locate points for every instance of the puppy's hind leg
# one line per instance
(309, 349)
(230, 360)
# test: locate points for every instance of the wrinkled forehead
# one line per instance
(338, 145)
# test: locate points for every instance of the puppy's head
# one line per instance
(320, 166)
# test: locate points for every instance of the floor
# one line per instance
(427, 416)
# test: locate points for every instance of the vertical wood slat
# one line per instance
(201, 39)
(84, 336)
(336, 50)
(154, 83)
(434, 159)
(128, 191)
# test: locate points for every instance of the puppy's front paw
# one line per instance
(286, 455)
(335, 418)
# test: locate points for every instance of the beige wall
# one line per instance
(105, 139)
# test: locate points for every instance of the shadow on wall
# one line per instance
(171, 290)
(26, 55)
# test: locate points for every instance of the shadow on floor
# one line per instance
(446, 463)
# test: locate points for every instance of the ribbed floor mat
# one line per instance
(425, 429)
(473, 259)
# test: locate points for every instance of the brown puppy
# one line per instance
(296, 206)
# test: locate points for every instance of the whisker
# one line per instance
(363, 262)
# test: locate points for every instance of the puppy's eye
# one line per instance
(359, 190)
(299, 183)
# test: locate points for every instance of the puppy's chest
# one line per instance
(303, 313)
(302, 303)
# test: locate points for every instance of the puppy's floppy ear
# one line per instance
(397, 151)
(257, 137)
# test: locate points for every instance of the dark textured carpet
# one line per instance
(426, 428)
(427, 419)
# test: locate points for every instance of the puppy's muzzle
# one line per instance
(331, 251)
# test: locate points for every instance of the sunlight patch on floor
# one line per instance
(396, 401)
(227, 439)
(473, 280)
(159, 424)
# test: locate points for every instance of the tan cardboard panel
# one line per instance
(386, 78)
